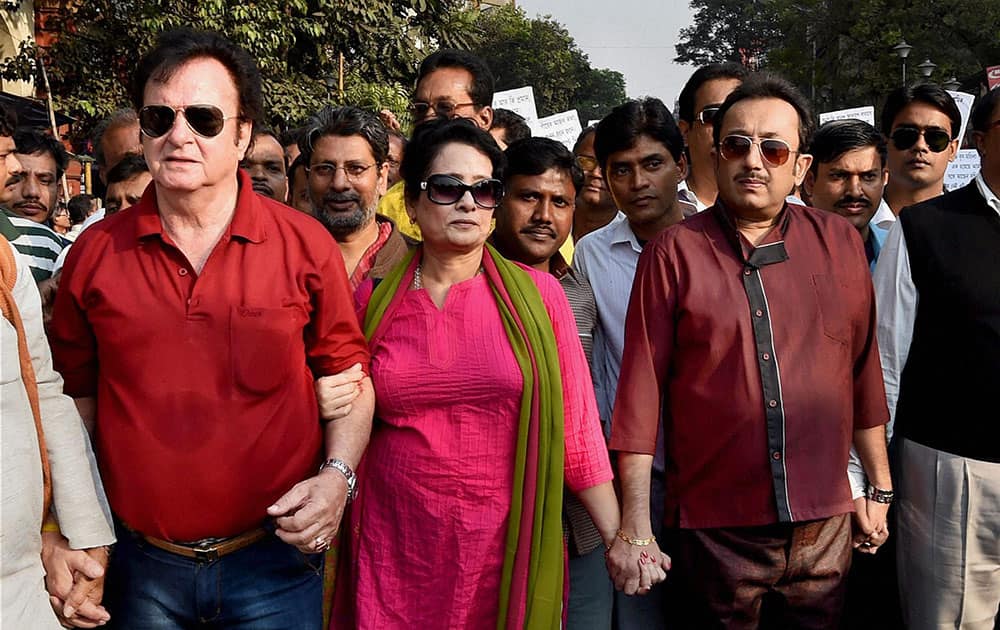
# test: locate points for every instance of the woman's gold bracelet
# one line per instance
(636, 542)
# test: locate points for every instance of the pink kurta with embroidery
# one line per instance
(438, 476)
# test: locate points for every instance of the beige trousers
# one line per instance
(948, 546)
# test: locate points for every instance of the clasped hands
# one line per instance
(635, 569)
(871, 527)
(74, 579)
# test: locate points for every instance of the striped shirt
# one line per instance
(38, 243)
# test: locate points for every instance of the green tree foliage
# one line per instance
(541, 53)
(839, 52)
(297, 44)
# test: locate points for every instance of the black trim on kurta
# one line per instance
(767, 358)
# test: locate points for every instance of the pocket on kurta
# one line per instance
(830, 294)
(260, 346)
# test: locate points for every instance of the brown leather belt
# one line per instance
(208, 551)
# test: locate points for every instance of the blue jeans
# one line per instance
(267, 586)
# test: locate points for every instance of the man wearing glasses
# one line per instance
(697, 105)
(938, 291)
(594, 206)
(922, 124)
(346, 152)
(190, 329)
(752, 327)
(450, 84)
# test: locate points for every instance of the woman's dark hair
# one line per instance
(767, 85)
(620, 130)
(927, 93)
(176, 47)
(534, 156)
(428, 140)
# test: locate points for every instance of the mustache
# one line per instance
(847, 200)
(341, 197)
(539, 229)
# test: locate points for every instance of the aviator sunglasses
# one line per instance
(205, 120)
(774, 151)
(937, 139)
(445, 190)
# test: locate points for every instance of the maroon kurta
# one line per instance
(765, 361)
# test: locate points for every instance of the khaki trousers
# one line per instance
(948, 546)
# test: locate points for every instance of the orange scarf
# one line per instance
(8, 277)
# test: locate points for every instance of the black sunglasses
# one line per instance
(205, 120)
(937, 139)
(445, 190)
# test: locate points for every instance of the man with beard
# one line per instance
(922, 123)
(847, 176)
(594, 206)
(265, 163)
(346, 150)
(30, 196)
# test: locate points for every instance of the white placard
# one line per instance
(591, 123)
(867, 114)
(564, 127)
(964, 102)
(520, 100)
(962, 170)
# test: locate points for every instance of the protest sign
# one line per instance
(564, 127)
(964, 102)
(520, 101)
(993, 76)
(962, 170)
(867, 114)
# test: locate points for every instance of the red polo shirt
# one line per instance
(765, 361)
(206, 411)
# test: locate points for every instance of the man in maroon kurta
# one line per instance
(752, 326)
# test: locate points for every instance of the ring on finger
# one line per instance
(320, 543)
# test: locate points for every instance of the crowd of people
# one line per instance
(721, 369)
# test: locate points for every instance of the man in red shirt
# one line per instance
(750, 342)
(191, 329)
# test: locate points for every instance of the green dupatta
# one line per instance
(531, 586)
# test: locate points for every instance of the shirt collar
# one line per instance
(245, 224)
(883, 217)
(621, 232)
(991, 198)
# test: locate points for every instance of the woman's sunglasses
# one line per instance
(445, 190)
(205, 120)
(774, 151)
(937, 139)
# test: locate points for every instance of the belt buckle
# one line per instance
(204, 553)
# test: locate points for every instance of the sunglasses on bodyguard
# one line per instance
(205, 120)
(937, 139)
(774, 151)
(445, 190)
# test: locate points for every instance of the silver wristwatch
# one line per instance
(352, 479)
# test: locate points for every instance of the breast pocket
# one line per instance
(265, 345)
(831, 294)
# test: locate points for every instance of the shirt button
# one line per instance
(182, 271)
(766, 356)
(759, 313)
(746, 272)
(776, 455)
(772, 403)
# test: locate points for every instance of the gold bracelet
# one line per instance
(636, 542)
(50, 524)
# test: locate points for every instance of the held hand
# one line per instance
(389, 120)
(634, 569)
(75, 581)
(335, 393)
(871, 527)
(308, 516)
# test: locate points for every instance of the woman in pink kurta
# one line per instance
(431, 520)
